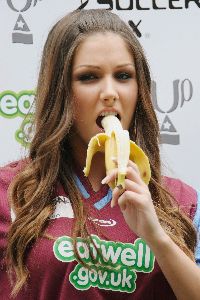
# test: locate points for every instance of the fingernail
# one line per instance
(112, 204)
(104, 180)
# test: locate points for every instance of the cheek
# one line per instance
(129, 103)
(85, 99)
(82, 90)
(134, 90)
(129, 89)
(129, 96)
(82, 109)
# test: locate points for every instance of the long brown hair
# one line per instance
(50, 155)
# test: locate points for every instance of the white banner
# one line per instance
(169, 33)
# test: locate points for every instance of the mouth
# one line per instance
(100, 118)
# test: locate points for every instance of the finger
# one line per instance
(115, 195)
(129, 186)
(140, 201)
(133, 165)
(111, 176)
(129, 198)
(130, 164)
(133, 174)
(133, 186)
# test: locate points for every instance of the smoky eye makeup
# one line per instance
(123, 75)
(86, 77)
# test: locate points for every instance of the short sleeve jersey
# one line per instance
(122, 266)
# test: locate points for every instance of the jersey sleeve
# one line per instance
(7, 173)
(196, 222)
(4, 213)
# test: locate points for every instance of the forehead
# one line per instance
(102, 46)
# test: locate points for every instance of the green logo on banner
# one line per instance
(13, 105)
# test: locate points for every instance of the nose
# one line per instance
(108, 92)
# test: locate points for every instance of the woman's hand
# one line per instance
(136, 205)
(139, 213)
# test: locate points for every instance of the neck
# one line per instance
(97, 169)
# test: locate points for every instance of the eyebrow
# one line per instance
(97, 67)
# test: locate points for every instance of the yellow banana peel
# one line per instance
(115, 143)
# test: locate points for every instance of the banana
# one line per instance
(115, 143)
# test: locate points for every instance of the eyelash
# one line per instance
(122, 76)
(87, 77)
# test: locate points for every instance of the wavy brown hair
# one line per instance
(50, 159)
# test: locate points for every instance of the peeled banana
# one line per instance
(115, 142)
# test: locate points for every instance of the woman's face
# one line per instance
(103, 80)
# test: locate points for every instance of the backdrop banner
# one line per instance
(169, 33)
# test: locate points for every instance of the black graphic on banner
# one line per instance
(118, 7)
(21, 35)
(168, 133)
(141, 5)
(129, 5)
(182, 92)
(21, 28)
(135, 27)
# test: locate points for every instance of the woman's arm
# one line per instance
(138, 210)
(180, 271)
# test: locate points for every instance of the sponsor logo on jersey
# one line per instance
(63, 208)
(114, 265)
(105, 223)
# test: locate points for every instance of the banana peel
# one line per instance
(115, 143)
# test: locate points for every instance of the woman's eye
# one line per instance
(87, 77)
(123, 76)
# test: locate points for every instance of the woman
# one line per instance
(65, 241)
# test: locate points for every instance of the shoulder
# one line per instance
(7, 173)
(189, 199)
(185, 195)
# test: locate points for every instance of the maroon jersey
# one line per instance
(124, 267)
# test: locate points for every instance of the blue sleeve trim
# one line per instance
(196, 222)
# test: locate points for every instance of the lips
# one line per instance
(100, 117)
